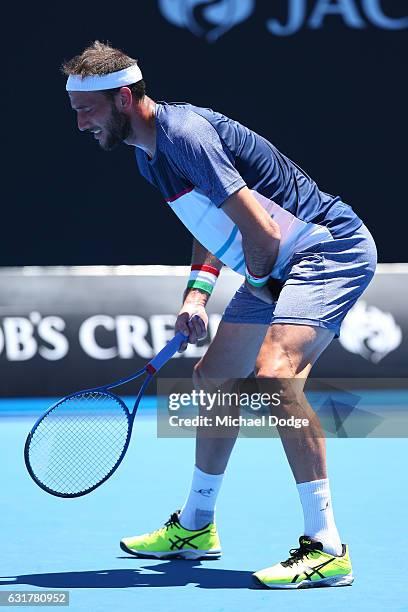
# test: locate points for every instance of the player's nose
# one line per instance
(82, 122)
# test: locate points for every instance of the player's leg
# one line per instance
(284, 362)
(192, 533)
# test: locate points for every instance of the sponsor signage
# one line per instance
(69, 329)
(210, 20)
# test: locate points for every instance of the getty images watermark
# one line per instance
(212, 402)
(330, 408)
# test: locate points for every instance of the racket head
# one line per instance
(78, 443)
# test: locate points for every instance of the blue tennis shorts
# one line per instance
(321, 284)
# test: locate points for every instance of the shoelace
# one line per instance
(173, 521)
(297, 554)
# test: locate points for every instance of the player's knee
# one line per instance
(275, 369)
(280, 382)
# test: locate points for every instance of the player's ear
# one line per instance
(125, 98)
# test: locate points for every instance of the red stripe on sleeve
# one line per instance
(178, 195)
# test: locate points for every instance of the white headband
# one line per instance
(121, 78)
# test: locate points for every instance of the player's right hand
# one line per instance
(192, 321)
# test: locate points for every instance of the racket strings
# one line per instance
(70, 463)
(62, 470)
(76, 445)
(59, 470)
(68, 451)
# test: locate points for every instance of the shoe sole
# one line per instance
(179, 554)
(333, 581)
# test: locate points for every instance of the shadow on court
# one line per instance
(169, 573)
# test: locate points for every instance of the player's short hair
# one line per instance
(99, 59)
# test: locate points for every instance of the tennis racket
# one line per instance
(81, 440)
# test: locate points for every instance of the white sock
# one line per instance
(199, 507)
(318, 514)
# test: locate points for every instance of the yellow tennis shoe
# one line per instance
(308, 566)
(174, 541)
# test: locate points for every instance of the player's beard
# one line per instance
(117, 129)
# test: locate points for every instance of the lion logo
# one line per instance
(370, 332)
(208, 19)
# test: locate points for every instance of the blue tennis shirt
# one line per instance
(203, 157)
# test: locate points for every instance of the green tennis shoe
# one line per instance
(308, 566)
(174, 541)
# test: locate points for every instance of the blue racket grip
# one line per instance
(166, 353)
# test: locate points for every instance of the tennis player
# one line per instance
(251, 208)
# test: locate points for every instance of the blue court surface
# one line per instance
(50, 543)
